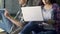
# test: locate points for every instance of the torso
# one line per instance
(47, 12)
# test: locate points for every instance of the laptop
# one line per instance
(33, 13)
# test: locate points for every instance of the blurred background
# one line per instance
(12, 5)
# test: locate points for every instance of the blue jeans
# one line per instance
(5, 24)
(33, 26)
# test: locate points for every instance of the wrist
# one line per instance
(9, 17)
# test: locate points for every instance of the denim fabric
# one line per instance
(37, 29)
(47, 32)
(5, 23)
(30, 27)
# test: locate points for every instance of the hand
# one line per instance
(6, 13)
(45, 24)
(50, 21)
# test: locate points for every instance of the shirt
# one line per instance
(47, 14)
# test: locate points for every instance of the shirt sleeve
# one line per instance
(57, 17)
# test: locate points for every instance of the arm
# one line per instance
(12, 19)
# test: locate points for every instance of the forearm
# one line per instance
(15, 21)
(7, 15)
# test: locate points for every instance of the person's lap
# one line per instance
(5, 23)
(32, 26)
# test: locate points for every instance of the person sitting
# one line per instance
(51, 12)
(9, 24)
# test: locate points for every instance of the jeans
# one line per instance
(37, 29)
(5, 24)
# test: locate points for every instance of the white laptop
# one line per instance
(32, 13)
